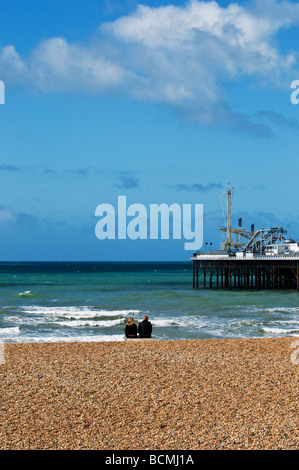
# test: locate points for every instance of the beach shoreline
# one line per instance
(206, 394)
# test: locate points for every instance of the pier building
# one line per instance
(259, 259)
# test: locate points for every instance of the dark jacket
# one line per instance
(145, 329)
(131, 331)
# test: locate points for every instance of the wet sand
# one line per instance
(156, 395)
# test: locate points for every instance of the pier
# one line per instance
(256, 259)
(258, 273)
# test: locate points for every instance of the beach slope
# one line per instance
(168, 395)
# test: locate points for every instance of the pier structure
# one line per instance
(257, 259)
(259, 272)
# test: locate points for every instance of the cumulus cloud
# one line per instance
(181, 56)
(55, 65)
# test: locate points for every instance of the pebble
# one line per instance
(160, 395)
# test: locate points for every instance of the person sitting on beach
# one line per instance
(145, 328)
(131, 328)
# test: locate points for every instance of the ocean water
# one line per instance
(51, 302)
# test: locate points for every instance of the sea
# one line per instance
(90, 301)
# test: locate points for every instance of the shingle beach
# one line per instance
(168, 395)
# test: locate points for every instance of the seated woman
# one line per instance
(131, 328)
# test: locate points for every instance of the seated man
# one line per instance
(145, 328)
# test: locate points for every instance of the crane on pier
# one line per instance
(229, 244)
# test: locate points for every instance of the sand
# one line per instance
(168, 395)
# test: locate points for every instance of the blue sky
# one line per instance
(163, 102)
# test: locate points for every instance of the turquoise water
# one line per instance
(90, 302)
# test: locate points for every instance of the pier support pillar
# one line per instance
(247, 279)
(259, 274)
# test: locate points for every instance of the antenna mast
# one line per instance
(239, 232)
(229, 216)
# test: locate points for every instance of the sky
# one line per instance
(164, 102)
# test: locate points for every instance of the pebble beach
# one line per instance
(168, 395)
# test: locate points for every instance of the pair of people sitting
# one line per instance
(144, 328)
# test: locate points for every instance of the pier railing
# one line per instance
(216, 256)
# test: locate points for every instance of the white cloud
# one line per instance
(176, 27)
(12, 67)
(202, 30)
(180, 56)
(70, 67)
